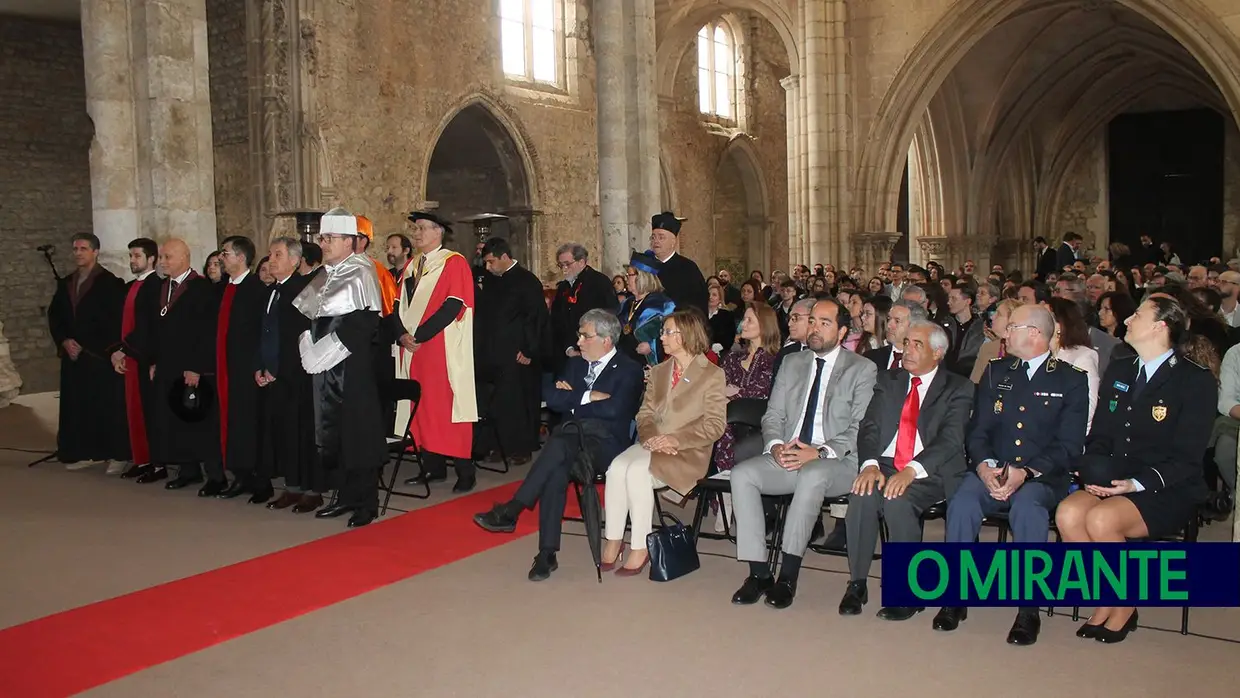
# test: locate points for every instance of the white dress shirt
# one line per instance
(239, 278)
(890, 451)
(143, 275)
(820, 437)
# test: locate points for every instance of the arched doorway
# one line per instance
(478, 167)
(739, 212)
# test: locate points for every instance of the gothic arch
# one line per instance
(1193, 26)
(741, 156)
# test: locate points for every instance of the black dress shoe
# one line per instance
(1025, 629)
(136, 471)
(308, 503)
(1110, 637)
(752, 591)
(183, 481)
(782, 594)
(899, 612)
(361, 518)
(949, 618)
(855, 596)
(238, 487)
(333, 511)
(213, 488)
(262, 496)
(544, 564)
(465, 484)
(502, 518)
(425, 478)
(152, 475)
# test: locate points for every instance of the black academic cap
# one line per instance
(191, 404)
(646, 261)
(428, 216)
(666, 221)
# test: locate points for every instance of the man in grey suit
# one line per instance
(810, 429)
(911, 446)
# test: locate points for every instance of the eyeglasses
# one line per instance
(1011, 328)
(565, 265)
(330, 237)
(582, 335)
(668, 333)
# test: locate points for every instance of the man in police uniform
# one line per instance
(1028, 425)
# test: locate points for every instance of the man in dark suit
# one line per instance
(1047, 259)
(682, 280)
(798, 331)
(902, 315)
(583, 289)
(1028, 425)
(911, 446)
(1068, 250)
(601, 391)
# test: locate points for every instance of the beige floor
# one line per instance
(478, 628)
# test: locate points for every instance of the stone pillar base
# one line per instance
(10, 379)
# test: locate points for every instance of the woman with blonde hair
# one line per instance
(682, 415)
(996, 333)
(641, 315)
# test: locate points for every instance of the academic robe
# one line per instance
(92, 395)
(444, 362)
(141, 307)
(512, 317)
(238, 330)
(683, 283)
(287, 429)
(387, 286)
(182, 338)
(591, 289)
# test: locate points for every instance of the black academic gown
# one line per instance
(92, 423)
(511, 317)
(145, 312)
(242, 343)
(179, 340)
(591, 289)
(287, 433)
(349, 430)
(683, 283)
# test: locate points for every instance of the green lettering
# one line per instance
(1102, 568)
(1166, 574)
(971, 576)
(915, 586)
(1014, 565)
(1033, 575)
(1072, 576)
(1143, 558)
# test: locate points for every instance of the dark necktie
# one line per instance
(592, 374)
(811, 407)
(1024, 371)
(896, 357)
(1139, 384)
(906, 436)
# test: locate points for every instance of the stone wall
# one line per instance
(44, 179)
(1084, 202)
(230, 113)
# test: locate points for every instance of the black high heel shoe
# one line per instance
(1088, 630)
(1110, 637)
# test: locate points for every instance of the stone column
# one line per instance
(872, 249)
(933, 249)
(152, 172)
(815, 88)
(628, 147)
(792, 108)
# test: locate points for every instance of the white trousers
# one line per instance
(629, 493)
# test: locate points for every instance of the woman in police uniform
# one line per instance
(1153, 421)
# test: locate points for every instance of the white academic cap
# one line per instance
(338, 221)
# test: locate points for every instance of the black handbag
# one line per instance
(672, 552)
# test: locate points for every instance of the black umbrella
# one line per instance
(582, 474)
(191, 404)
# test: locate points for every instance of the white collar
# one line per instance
(1037, 362)
(673, 254)
(606, 358)
(181, 279)
(830, 356)
(427, 254)
(280, 282)
(143, 275)
(510, 266)
(927, 379)
(238, 279)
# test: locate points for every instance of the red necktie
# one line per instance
(906, 438)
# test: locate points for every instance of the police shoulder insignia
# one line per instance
(1078, 368)
(1194, 363)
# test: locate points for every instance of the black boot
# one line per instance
(502, 518)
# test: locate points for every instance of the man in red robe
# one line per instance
(433, 324)
(141, 307)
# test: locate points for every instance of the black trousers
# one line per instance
(359, 488)
(214, 470)
(547, 483)
(437, 465)
(902, 514)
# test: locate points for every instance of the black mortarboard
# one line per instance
(666, 221)
(428, 216)
(191, 404)
(646, 262)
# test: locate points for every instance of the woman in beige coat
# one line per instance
(682, 415)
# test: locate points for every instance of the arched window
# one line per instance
(532, 40)
(717, 71)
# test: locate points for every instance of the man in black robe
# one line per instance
(85, 322)
(180, 349)
(141, 307)
(343, 304)
(237, 336)
(511, 325)
(584, 288)
(287, 430)
(682, 280)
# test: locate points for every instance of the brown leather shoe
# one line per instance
(285, 501)
(308, 503)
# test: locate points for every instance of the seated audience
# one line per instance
(721, 321)
(749, 371)
(997, 319)
(1071, 344)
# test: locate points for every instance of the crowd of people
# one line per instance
(1083, 395)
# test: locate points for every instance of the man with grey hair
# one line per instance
(916, 294)
(599, 391)
(987, 295)
(583, 289)
(1029, 421)
(912, 455)
(902, 315)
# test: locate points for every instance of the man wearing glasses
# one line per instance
(583, 289)
(1028, 424)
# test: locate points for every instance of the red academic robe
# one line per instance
(433, 428)
(221, 362)
(138, 444)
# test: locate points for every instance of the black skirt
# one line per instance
(1167, 511)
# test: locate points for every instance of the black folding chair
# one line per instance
(403, 447)
(485, 421)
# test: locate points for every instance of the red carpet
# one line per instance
(70, 652)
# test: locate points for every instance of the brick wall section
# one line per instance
(230, 116)
(44, 179)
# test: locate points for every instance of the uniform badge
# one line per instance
(998, 407)
(1159, 412)
(1114, 404)
(1121, 386)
